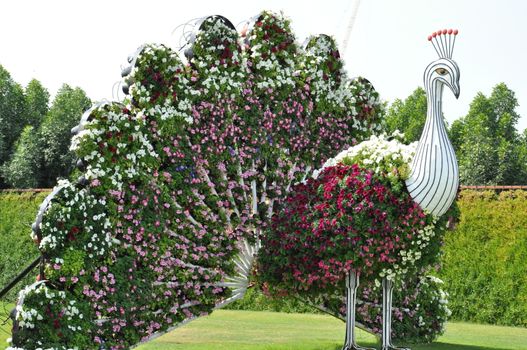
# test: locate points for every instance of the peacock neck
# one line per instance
(434, 176)
(434, 94)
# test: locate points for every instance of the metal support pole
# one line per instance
(387, 291)
(352, 284)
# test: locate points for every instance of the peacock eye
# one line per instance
(441, 71)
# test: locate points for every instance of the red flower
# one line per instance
(346, 215)
(226, 53)
(72, 232)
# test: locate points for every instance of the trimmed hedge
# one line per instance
(255, 300)
(17, 213)
(484, 262)
(485, 259)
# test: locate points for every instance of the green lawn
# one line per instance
(247, 330)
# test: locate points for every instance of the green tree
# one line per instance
(455, 133)
(408, 116)
(478, 154)
(24, 168)
(37, 100)
(522, 156)
(503, 102)
(12, 116)
(42, 151)
(55, 133)
(488, 145)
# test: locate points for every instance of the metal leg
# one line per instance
(387, 289)
(352, 283)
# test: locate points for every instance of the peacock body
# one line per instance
(371, 212)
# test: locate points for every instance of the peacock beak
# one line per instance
(455, 89)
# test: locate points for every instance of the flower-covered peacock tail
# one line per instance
(175, 184)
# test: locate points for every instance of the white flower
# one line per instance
(377, 153)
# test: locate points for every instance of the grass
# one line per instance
(244, 330)
(257, 330)
(248, 330)
(5, 329)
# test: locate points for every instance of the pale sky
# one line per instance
(85, 43)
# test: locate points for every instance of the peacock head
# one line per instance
(444, 70)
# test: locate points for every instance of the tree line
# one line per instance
(489, 148)
(35, 135)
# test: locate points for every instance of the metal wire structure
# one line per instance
(434, 179)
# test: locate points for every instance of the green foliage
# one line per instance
(34, 139)
(72, 262)
(522, 150)
(255, 300)
(484, 259)
(17, 213)
(37, 100)
(488, 146)
(408, 116)
(55, 133)
(455, 134)
(42, 154)
(23, 170)
(12, 117)
(478, 155)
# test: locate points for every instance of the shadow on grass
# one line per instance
(449, 346)
(432, 346)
